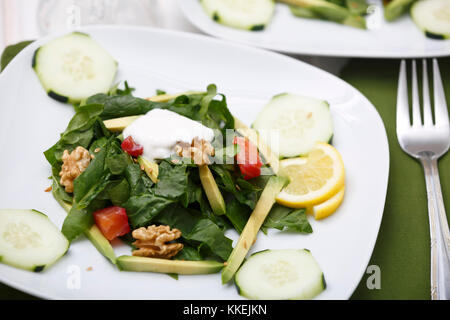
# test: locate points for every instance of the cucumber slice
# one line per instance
(74, 67)
(251, 15)
(432, 17)
(280, 275)
(29, 240)
(300, 122)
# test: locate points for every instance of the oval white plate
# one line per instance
(151, 59)
(287, 33)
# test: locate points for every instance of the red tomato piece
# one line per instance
(131, 147)
(112, 222)
(248, 158)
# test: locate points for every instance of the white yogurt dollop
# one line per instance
(160, 130)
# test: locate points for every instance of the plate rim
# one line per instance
(205, 38)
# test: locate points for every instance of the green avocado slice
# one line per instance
(119, 124)
(248, 235)
(212, 190)
(151, 168)
(101, 243)
(144, 264)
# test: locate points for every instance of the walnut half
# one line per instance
(199, 151)
(74, 164)
(152, 242)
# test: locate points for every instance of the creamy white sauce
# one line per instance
(160, 130)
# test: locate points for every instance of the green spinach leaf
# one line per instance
(92, 181)
(189, 253)
(173, 180)
(238, 214)
(286, 218)
(11, 51)
(195, 228)
(83, 128)
(76, 222)
(142, 209)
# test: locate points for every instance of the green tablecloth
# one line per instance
(402, 250)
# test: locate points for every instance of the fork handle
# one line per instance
(439, 231)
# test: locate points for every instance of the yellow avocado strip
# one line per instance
(144, 264)
(212, 190)
(119, 124)
(150, 168)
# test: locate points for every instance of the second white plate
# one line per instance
(289, 34)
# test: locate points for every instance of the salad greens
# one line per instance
(349, 12)
(178, 199)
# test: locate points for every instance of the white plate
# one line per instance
(287, 33)
(151, 59)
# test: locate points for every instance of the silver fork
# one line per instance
(427, 142)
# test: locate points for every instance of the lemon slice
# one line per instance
(313, 179)
(327, 208)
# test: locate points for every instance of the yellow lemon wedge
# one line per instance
(314, 178)
(327, 208)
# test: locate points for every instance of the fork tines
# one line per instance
(440, 105)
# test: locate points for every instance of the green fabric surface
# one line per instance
(402, 250)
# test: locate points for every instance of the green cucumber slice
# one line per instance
(29, 240)
(432, 17)
(252, 15)
(299, 121)
(74, 67)
(280, 275)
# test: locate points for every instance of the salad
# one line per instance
(172, 173)
(430, 16)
